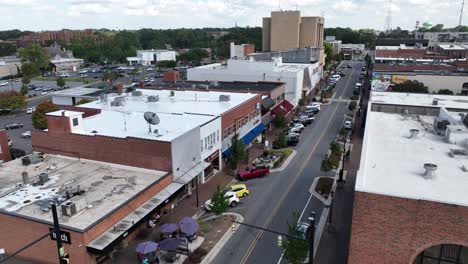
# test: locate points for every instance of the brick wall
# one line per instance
(4, 148)
(394, 230)
(249, 49)
(242, 110)
(149, 154)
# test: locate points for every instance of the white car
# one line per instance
(358, 86)
(3, 83)
(83, 71)
(294, 130)
(30, 110)
(348, 124)
(26, 134)
(231, 197)
(298, 125)
(315, 105)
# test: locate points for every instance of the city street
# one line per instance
(275, 198)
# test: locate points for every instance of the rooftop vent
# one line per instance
(152, 99)
(430, 170)
(103, 97)
(224, 98)
(43, 178)
(25, 177)
(414, 133)
(137, 93)
(435, 102)
(117, 103)
(119, 99)
(172, 94)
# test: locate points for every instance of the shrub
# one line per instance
(279, 121)
(280, 142)
(38, 117)
(352, 105)
(354, 97)
(356, 92)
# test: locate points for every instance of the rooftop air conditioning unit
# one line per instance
(43, 178)
(137, 93)
(117, 103)
(172, 94)
(119, 99)
(224, 98)
(152, 98)
(69, 208)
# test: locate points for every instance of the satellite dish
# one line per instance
(152, 119)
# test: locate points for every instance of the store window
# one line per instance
(443, 254)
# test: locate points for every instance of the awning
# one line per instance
(105, 242)
(267, 103)
(283, 108)
(192, 173)
(249, 137)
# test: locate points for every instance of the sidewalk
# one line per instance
(334, 243)
(185, 207)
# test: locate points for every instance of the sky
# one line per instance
(39, 15)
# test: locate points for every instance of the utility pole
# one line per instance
(311, 232)
(58, 236)
(461, 15)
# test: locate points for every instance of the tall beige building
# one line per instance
(287, 30)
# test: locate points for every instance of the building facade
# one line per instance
(149, 57)
(64, 35)
(436, 38)
(410, 205)
(241, 50)
(287, 30)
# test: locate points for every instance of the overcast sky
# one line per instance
(136, 14)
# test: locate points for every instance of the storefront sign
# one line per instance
(212, 156)
(399, 78)
(64, 236)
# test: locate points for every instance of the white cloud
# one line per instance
(346, 6)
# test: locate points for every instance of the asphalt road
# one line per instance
(275, 198)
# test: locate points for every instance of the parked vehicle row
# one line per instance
(232, 195)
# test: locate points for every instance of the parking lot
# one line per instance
(41, 85)
(15, 134)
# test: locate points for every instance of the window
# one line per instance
(217, 135)
(201, 145)
(75, 121)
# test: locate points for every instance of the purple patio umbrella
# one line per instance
(168, 228)
(188, 225)
(147, 247)
(170, 243)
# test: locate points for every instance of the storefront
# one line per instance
(214, 166)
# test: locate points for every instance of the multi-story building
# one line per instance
(287, 30)
(436, 38)
(300, 78)
(242, 50)
(148, 57)
(64, 35)
(410, 202)
(336, 44)
(9, 66)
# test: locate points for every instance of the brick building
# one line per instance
(410, 204)
(64, 35)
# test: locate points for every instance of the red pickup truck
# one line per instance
(252, 172)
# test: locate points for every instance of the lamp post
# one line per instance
(340, 179)
(311, 232)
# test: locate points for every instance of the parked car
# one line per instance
(342, 74)
(302, 229)
(312, 108)
(358, 86)
(26, 134)
(361, 76)
(296, 130)
(348, 124)
(4, 111)
(240, 190)
(252, 172)
(348, 65)
(292, 139)
(305, 120)
(231, 197)
(297, 125)
(13, 126)
(3, 83)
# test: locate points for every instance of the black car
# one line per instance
(13, 126)
(349, 66)
(361, 76)
(5, 111)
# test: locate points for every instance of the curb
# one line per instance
(285, 163)
(217, 248)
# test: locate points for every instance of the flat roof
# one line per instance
(124, 124)
(106, 187)
(392, 163)
(414, 99)
(188, 102)
(281, 66)
(66, 60)
(232, 86)
(76, 91)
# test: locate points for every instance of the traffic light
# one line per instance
(233, 228)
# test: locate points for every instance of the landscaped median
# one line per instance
(275, 160)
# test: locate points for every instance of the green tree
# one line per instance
(279, 121)
(39, 119)
(24, 90)
(295, 247)
(335, 147)
(281, 142)
(11, 100)
(238, 151)
(29, 70)
(83, 101)
(328, 52)
(110, 77)
(410, 87)
(34, 53)
(61, 82)
(445, 91)
(352, 105)
(219, 203)
(167, 64)
(326, 165)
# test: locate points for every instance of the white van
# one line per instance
(336, 77)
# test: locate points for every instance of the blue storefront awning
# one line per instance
(249, 137)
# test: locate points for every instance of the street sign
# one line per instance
(64, 236)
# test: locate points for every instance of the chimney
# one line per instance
(430, 170)
(4, 147)
(119, 88)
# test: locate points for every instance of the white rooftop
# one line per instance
(447, 101)
(452, 47)
(392, 162)
(106, 187)
(123, 124)
(277, 66)
(190, 102)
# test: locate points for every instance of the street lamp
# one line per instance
(340, 179)
(311, 232)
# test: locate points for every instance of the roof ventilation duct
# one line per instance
(224, 98)
(430, 170)
(137, 93)
(414, 133)
(152, 99)
(435, 102)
